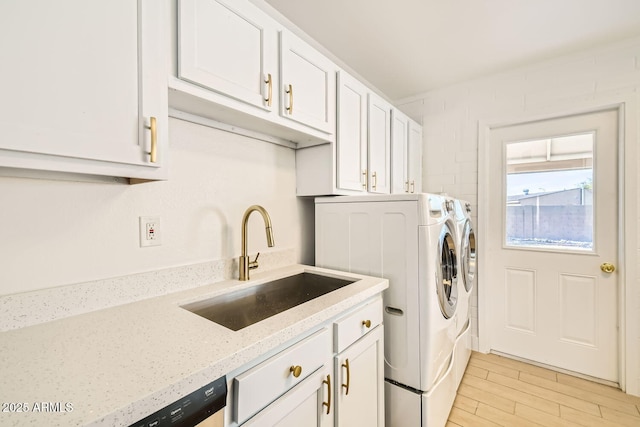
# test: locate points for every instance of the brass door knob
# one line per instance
(296, 370)
(367, 323)
(607, 267)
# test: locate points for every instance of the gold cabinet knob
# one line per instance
(607, 267)
(296, 370)
(367, 323)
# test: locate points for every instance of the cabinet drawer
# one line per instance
(350, 328)
(262, 384)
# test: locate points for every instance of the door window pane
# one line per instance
(549, 193)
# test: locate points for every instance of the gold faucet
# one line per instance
(245, 264)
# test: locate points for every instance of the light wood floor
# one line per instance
(496, 391)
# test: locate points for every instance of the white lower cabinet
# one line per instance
(334, 377)
(360, 382)
(359, 366)
(307, 404)
(264, 383)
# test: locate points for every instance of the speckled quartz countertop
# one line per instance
(115, 366)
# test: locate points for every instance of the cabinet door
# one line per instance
(379, 145)
(80, 82)
(415, 157)
(308, 84)
(309, 403)
(360, 382)
(229, 46)
(399, 152)
(351, 138)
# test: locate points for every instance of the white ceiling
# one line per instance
(408, 47)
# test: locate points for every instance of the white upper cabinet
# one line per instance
(399, 152)
(351, 137)
(236, 64)
(406, 154)
(379, 137)
(415, 157)
(308, 88)
(360, 160)
(82, 84)
(229, 47)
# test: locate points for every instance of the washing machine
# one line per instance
(411, 240)
(466, 283)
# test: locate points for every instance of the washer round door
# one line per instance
(468, 256)
(447, 272)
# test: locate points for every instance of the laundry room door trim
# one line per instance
(629, 285)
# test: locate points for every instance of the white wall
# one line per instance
(55, 233)
(451, 118)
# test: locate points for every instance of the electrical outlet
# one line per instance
(150, 234)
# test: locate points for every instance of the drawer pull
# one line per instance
(290, 107)
(328, 402)
(154, 140)
(296, 370)
(269, 83)
(346, 365)
(366, 323)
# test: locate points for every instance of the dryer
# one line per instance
(466, 284)
(411, 240)
(467, 265)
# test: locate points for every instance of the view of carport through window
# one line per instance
(550, 194)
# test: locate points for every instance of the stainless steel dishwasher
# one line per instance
(202, 408)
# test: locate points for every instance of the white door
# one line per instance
(351, 139)
(379, 136)
(415, 157)
(229, 47)
(360, 386)
(78, 82)
(552, 236)
(399, 152)
(308, 89)
(309, 403)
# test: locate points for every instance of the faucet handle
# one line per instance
(254, 264)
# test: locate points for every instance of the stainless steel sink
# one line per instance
(237, 310)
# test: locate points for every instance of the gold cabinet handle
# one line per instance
(366, 323)
(375, 180)
(269, 83)
(607, 267)
(328, 402)
(364, 179)
(346, 365)
(290, 92)
(296, 370)
(153, 127)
